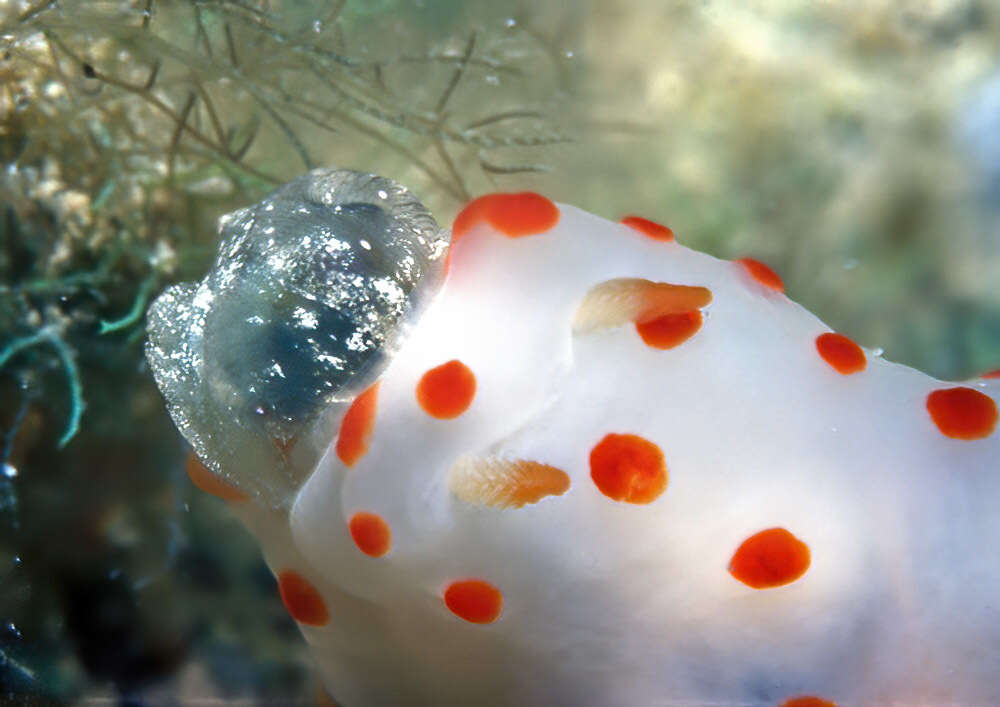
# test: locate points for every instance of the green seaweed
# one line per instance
(49, 334)
(126, 130)
(204, 105)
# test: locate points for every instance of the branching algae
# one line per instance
(125, 129)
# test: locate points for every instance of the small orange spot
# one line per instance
(446, 391)
(808, 701)
(357, 426)
(474, 600)
(771, 558)
(302, 600)
(628, 468)
(762, 274)
(991, 374)
(514, 215)
(844, 355)
(649, 228)
(370, 533)
(962, 413)
(210, 483)
(670, 330)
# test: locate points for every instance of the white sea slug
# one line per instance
(564, 461)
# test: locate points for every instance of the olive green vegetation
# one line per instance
(827, 139)
(819, 137)
(127, 129)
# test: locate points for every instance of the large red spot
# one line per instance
(302, 600)
(210, 483)
(771, 558)
(628, 468)
(844, 355)
(670, 330)
(446, 391)
(962, 413)
(474, 600)
(471, 214)
(370, 533)
(357, 426)
(649, 228)
(762, 274)
(514, 215)
(808, 701)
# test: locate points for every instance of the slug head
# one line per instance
(311, 293)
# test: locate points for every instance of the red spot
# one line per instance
(210, 483)
(473, 213)
(962, 413)
(446, 391)
(991, 374)
(762, 274)
(771, 558)
(370, 533)
(652, 229)
(474, 600)
(844, 355)
(356, 427)
(514, 215)
(808, 701)
(302, 600)
(670, 330)
(628, 468)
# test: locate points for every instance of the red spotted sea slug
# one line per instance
(560, 460)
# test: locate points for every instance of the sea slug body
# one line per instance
(588, 466)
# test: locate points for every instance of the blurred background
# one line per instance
(852, 145)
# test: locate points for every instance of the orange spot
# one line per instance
(446, 391)
(471, 214)
(370, 533)
(514, 215)
(628, 468)
(523, 214)
(474, 600)
(962, 413)
(302, 600)
(356, 427)
(771, 558)
(844, 355)
(210, 483)
(649, 228)
(808, 701)
(762, 274)
(991, 374)
(670, 330)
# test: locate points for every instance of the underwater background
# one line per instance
(852, 145)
